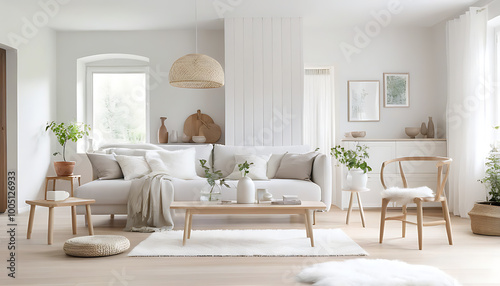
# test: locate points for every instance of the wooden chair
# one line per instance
(443, 169)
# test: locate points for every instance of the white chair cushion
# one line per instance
(406, 195)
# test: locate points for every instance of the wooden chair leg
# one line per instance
(405, 211)
(350, 208)
(420, 222)
(385, 202)
(446, 215)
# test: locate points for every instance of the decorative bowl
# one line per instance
(412, 131)
(358, 134)
(199, 139)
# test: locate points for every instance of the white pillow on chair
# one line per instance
(406, 195)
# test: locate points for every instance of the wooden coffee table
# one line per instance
(195, 207)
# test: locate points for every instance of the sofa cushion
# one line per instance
(257, 170)
(110, 192)
(273, 164)
(296, 166)
(224, 155)
(178, 164)
(105, 166)
(203, 151)
(133, 166)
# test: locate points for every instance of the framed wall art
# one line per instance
(396, 90)
(363, 100)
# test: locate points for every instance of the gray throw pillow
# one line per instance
(296, 166)
(105, 166)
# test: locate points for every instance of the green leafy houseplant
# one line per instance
(352, 159)
(492, 177)
(244, 168)
(67, 132)
(213, 177)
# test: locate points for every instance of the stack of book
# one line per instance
(288, 200)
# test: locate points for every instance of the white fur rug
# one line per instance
(267, 242)
(372, 272)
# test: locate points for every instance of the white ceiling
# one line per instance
(179, 14)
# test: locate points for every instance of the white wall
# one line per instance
(264, 82)
(162, 48)
(411, 50)
(31, 103)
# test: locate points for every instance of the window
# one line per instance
(117, 104)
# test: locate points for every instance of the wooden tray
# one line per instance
(194, 122)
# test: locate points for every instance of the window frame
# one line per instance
(89, 94)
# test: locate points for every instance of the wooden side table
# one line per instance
(360, 205)
(53, 204)
(65, 178)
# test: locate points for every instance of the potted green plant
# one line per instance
(64, 133)
(215, 180)
(355, 161)
(485, 216)
(245, 190)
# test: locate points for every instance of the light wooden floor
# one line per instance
(473, 260)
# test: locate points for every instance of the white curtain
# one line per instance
(468, 132)
(319, 117)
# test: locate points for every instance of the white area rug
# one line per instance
(267, 242)
(371, 272)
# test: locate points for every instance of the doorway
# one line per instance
(3, 130)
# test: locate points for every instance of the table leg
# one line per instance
(72, 185)
(30, 221)
(306, 222)
(89, 220)
(186, 227)
(309, 223)
(51, 225)
(350, 208)
(314, 217)
(46, 187)
(190, 224)
(73, 218)
(361, 209)
(54, 184)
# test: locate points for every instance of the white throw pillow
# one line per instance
(274, 164)
(258, 170)
(133, 166)
(178, 164)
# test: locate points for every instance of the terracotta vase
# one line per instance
(430, 128)
(162, 132)
(64, 168)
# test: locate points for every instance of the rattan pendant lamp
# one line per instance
(196, 70)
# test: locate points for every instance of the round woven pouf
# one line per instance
(96, 245)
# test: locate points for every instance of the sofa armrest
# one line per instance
(322, 175)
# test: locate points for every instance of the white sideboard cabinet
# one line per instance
(417, 174)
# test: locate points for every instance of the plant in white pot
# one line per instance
(485, 216)
(355, 162)
(245, 190)
(64, 133)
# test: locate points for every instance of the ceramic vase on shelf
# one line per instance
(356, 179)
(245, 191)
(162, 132)
(185, 138)
(430, 128)
(173, 137)
(423, 129)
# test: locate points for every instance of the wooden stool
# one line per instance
(65, 178)
(360, 205)
(72, 202)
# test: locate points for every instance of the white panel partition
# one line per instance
(264, 81)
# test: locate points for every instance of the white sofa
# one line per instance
(111, 195)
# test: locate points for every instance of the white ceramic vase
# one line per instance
(173, 137)
(245, 191)
(356, 179)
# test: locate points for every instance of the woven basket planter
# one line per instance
(485, 219)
